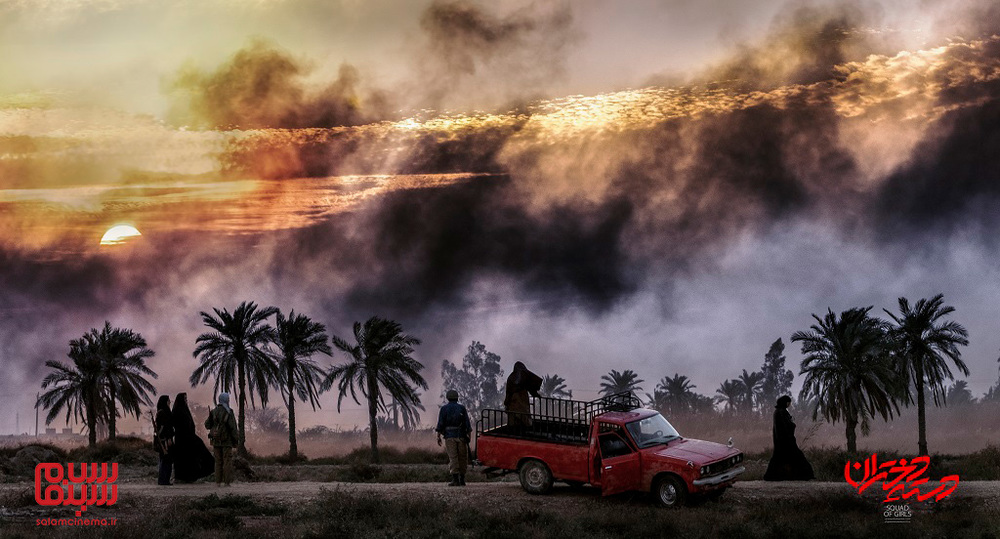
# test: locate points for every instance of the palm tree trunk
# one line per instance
(395, 413)
(921, 412)
(852, 435)
(112, 420)
(372, 410)
(92, 424)
(293, 448)
(241, 403)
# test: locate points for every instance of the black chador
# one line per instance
(788, 462)
(192, 460)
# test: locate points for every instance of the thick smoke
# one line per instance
(952, 184)
(566, 223)
(263, 86)
(470, 56)
(804, 46)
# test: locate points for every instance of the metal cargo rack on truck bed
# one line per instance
(553, 420)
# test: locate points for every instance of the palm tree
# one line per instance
(847, 371)
(620, 382)
(678, 393)
(554, 386)
(730, 392)
(751, 383)
(379, 359)
(236, 352)
(76, 387)
(959, 394)
(923, 344)
(122, 354)
(408, 413)
(298, 338)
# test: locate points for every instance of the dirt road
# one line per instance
(510, 493)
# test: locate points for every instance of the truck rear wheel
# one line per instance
(535, 477)
(669, 491)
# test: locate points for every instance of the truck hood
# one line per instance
(697, 451)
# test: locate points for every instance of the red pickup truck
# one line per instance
(612, 443)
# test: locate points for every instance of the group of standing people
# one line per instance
(183, 453)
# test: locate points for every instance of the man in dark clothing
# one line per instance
(788, 462)
(453, 424)
(520, 383)
(224, 435)
(163, 438)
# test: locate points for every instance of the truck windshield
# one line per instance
(651, 431)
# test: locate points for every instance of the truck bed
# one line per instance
(542, 430)
(567, 461)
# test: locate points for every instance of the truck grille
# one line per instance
(722, 465)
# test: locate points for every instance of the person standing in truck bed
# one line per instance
(454, 425)
(520, 383)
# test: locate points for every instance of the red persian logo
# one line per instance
(905, 481)
(97, 494)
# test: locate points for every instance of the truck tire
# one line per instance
(535, 477)
(669, 491)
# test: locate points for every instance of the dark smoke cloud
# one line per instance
(804, 46)
(472, 56)
(952, 184)
(428, 248)
(580, 224)
(263, 86)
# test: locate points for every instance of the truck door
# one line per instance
(619, 464)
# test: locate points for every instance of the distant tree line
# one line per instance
(856, 367)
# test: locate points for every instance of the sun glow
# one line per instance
(119, 234)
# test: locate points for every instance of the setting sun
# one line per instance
(119, 234)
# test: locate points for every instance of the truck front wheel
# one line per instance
(535, 477)
(669, 491)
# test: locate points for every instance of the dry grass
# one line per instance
(367, 515)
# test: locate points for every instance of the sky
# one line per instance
(656, 185)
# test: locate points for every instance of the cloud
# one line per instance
(613, 213)
(262, 86)
(473, 56)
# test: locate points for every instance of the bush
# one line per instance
(361, 472)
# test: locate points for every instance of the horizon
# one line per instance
(658, 187)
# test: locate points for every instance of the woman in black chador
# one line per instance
(788, 463)
(192, 460)
(520, 383)
(163, 439)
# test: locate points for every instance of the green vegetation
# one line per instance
(478, 382)
(922, 342)
(554, 386)
(236, 353)
(380, 360)
(847, 370)
(298, 338)
(109, 367)
(620, 382)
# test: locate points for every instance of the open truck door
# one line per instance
(619, 464)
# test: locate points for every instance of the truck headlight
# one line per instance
(704, 470)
